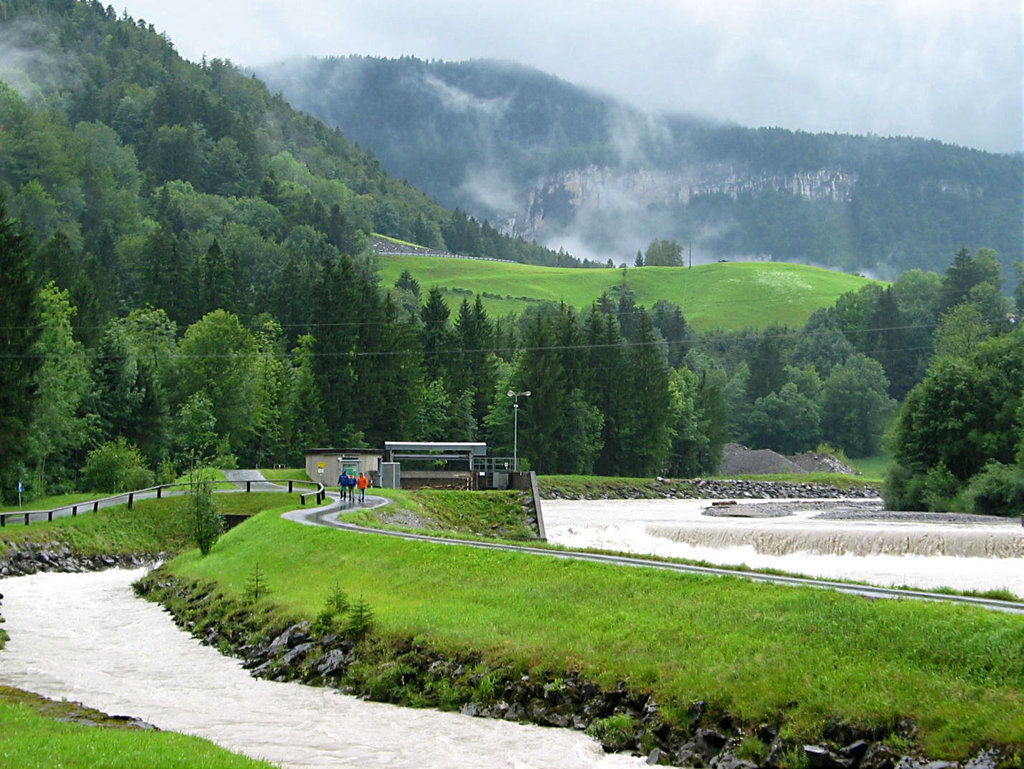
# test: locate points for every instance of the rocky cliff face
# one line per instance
(557, 200)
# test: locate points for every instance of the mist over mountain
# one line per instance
(541, 158)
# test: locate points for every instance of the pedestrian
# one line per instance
(350, 486)
(362, 482)
(343, 480)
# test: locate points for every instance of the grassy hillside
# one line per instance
(731, 295)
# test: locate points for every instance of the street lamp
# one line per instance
(515, 426)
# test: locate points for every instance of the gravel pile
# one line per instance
(739, 460)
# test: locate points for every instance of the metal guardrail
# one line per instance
(27, 516)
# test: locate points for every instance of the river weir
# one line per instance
(87, 638)
(828, 539)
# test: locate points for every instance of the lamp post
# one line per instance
(515, 426)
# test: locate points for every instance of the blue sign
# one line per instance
(20, 489)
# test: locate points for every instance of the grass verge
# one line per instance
(804, 657)
(37, 733)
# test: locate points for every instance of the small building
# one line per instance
(325, 465)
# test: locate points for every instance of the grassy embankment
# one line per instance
(754, 651)
(37, 733)
(152, 526)
(729, 296)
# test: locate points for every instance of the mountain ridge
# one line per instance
(571, 167)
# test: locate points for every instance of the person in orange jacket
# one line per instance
(361, 483)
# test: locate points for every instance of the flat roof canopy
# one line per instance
(440, 449)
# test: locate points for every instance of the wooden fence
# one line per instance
(319, 493)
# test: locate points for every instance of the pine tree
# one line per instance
(437, 337)
(646, 436)
(19, 330)
(540, 415)
(606, 385)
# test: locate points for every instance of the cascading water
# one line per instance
(87, 638)
(808, 538)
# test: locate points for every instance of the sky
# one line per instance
(951, 70)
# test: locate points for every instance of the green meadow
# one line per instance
(728, 296)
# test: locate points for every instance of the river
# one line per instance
(889, 550)
(87, 638)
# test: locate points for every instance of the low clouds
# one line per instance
(941, 69)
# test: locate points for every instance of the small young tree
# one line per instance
(360, 621)
(207, 522)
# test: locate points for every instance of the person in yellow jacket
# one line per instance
(361, 483)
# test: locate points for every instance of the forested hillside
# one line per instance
(551, 161)
(184, 278)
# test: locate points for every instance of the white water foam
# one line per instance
(963, 556)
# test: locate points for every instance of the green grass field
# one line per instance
(729, 296)
(36, 733)
(754, 651)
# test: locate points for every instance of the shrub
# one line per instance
(997, 490)
(360, 621)
(111, 466)
(335, 606)
(902, 489)
(616, 733)
(936, 490)
(206, 521)
(940, 489)
(256, 585)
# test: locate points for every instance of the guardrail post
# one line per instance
(248, 487)
(74, 510)
(26, 518)
(291, 485)
(159, 492)
(131, 499)
(95, 505)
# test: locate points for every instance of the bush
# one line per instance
(936, 490)
(206, 520)
(940, 489)
(616, 733)
(113, 466)
(997, 490)
(902, 489)
(360, 621)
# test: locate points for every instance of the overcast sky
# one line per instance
(946, 69)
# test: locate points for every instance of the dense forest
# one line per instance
(184, 278)
(556, 162)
